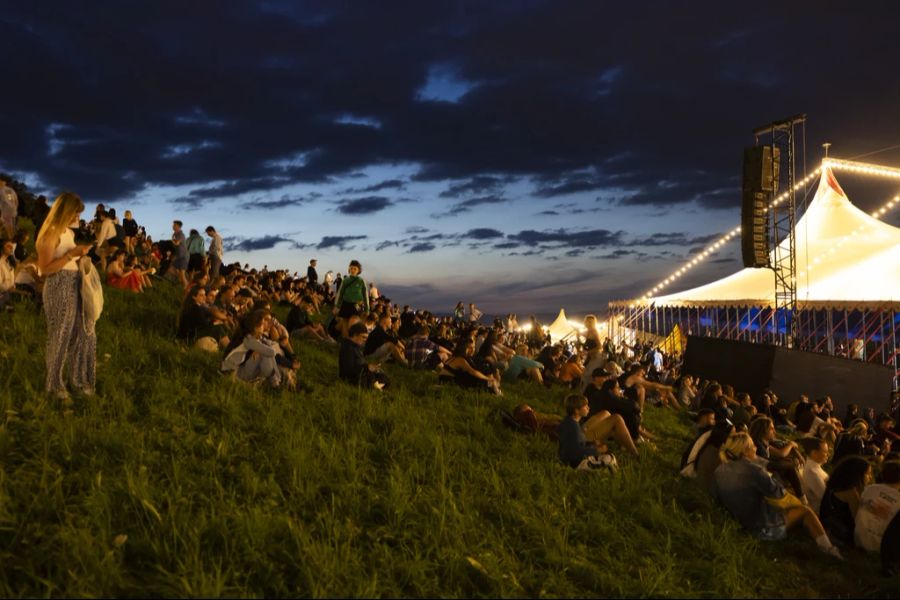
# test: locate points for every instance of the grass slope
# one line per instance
(177, 481)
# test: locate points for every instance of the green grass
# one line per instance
(223, 489)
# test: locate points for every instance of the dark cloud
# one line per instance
(338, 241)
(548, 212)
(389, 184)
(364, 206)
(617, 254)
(284, 202)
(266, 242)
(507, 245)
(421, 247)
(482, 233)
(467, 205)
(416, 229)
(481, 184)
(593, 238)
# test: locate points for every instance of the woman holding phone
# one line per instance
(67, 335)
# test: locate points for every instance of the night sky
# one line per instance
(526, 155)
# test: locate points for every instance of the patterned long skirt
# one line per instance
(68, 336)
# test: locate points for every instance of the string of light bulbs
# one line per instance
(830, 163)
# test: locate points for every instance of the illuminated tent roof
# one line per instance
(845, 258)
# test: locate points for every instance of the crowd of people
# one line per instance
(767, 483)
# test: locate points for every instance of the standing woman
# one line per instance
(67, 334)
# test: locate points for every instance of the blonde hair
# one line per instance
(735, 446)
(65, 208)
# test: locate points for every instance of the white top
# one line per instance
(66, 243)
(107, 230)
(7, 275)
(877, 506)
(813, 478)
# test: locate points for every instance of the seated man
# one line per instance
(382, 342)
(299, 321)
(352, 366)
(574, 447)
(422, 352)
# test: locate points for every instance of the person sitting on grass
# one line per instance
(520, 365)
(780, 457)
(704, 458)
(751, 496)
(119, 276)
(812, 476)
(877, 506)
(601, 424)
(459, 369)
(383, 344)
(197, 321)
(841, 499)
(636, 385)
(422, 352)
(352, 365)
(574, 446)
(253, 357)
(299, 322)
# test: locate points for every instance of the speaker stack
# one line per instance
(760, 179)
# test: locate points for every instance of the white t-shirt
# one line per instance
(813, 479)
(877, 506)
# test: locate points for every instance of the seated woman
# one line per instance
(841, 498)
(459, 369)
(745, 488)
(120, 276)
(197, 321)
(704, 459)
(253, 357)
(780, 457)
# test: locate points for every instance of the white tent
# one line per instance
(845, 258)
(562, 328)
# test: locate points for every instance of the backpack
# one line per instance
(91, 293)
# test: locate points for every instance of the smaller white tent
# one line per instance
(563, 328)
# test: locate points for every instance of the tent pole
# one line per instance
(829, 337)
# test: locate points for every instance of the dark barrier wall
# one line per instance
(754, 367)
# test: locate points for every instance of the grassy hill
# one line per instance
(177, 481)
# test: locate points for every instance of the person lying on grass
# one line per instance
(752, 497)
